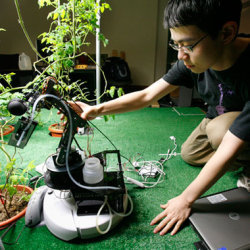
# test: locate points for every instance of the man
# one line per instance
(214, 59)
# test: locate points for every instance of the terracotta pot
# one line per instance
(6, 223)
(55, 132)
(9, 130)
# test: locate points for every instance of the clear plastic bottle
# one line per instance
(24, 62)
(92, 171)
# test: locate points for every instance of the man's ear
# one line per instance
(229, 32)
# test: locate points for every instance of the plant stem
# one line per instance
(5, 153)
(59, 17)
(74, 27)
(4, 206)
(25, 31)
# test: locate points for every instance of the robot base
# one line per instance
(60, 216)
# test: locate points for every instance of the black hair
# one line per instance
(208, 15)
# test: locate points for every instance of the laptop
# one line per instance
(222, 220)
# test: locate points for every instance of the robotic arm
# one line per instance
(64, 169)
(65, 172)
(26, 126)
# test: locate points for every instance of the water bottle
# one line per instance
(24, 62)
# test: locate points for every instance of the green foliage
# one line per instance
(71, 23)
(12, 175)
(5, 97)
(15, 176)
(7, 78)
(113, 92)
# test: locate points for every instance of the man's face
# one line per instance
(206, 54)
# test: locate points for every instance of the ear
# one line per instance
(229, 32)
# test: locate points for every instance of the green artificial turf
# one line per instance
(146, 133)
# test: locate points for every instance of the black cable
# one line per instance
(103, 134)
(96, 127)
(127, 159)
(77, 144)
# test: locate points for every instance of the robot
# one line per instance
(77, 201)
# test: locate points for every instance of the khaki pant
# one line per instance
(206, 138)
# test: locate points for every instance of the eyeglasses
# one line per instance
(186, 49)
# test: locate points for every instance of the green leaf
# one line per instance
(112, 91)
(41, 3)
(30, 166)
(55, 16)
(9, 166)
(105, 118)
(14, 179)
(26, 197)
(63, 13)
(120, 92)
(12, 190)
(22, 179)
(102, 9)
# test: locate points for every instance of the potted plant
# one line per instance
(56, 129)
(14, 193)
(13, 203)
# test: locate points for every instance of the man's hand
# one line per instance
(176, 211)
(84, 110)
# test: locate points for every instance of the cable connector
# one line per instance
(136, 164)
(138, 183)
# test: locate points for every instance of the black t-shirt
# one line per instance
(223, 91)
